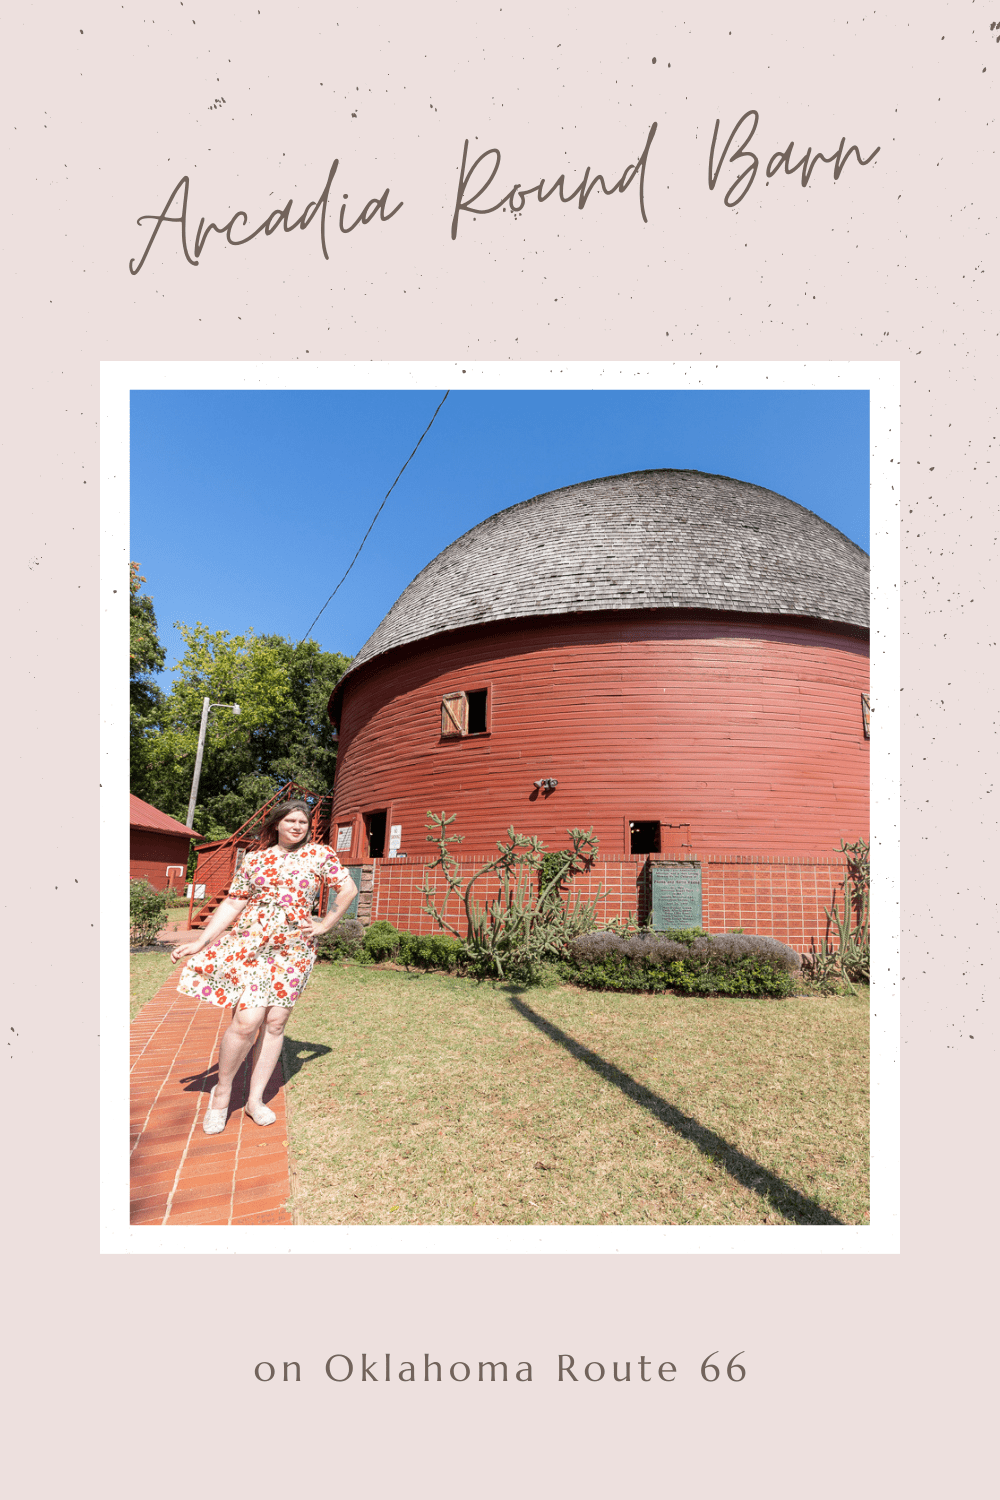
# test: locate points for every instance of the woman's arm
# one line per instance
(345, 896)
(223, 918)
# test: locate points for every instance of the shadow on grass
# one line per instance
(782, 1197)
(296, 1054)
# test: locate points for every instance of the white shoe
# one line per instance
(215, 1119)
(261, 1115)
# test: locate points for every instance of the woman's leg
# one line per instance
(236, 1043)
(268, 1052)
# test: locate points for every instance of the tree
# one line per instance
(146, 656)
(282, 733)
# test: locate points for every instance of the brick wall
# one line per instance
(773, 895)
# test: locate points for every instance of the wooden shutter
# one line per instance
(454, 715)
(674, 837)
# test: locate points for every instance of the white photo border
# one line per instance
(881, 1235)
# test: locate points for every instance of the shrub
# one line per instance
(731, 947)
(381, 943)
(435, 952)
(690, 962)
(343, 941)
(147, 909)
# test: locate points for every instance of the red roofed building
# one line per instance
(158, 846)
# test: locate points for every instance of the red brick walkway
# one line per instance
(180, 1175)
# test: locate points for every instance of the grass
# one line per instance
(421, 1098)
(148, 972)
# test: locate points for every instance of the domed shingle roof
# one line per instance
(654, 539)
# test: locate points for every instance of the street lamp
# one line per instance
(206, 707)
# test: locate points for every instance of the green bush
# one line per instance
(147, 909)
(435, 952)
(381, 943)
(346, 940)
(688, 962)
(385, 944)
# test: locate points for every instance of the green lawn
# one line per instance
(149, 971)
(421, 1098)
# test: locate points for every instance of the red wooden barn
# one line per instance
(158, 846)
(677, 659)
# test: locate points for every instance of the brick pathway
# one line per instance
(180, 1175)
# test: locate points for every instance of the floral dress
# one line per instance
(262, 959)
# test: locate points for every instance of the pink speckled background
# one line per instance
(136, 1373)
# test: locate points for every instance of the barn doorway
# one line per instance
(644, 837)
(375, 833)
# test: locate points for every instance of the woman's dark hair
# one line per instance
(269, 827)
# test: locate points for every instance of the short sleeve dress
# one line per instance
(263, 959)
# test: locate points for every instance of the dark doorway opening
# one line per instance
(477, 711)
(375, 831)
(644, 838)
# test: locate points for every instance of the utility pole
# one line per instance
(206, 706)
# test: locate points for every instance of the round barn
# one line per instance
(676, 659)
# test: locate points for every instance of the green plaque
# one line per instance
(355, 873)
(676, 895)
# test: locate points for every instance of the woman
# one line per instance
(261, 967)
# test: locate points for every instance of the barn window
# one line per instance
(477, 711)
(464, 714)
(375, 832)
(866, 715)
(644, 837)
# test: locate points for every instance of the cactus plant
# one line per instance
(851, 958)
(511, 935)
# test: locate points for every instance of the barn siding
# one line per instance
(150, 853)
(748, 730)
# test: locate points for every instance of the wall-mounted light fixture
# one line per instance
(547, 784)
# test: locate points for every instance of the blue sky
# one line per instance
(248, 506)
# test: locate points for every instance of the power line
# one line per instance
(388, 492)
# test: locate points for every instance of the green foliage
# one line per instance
(688, 962)
(381, 943)
(346, 940)
(522, 928)
(434, 952)
(147, 912)
(282, 733)
(553, 873)
(146, 656)
(851, 958)
(385, 944)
